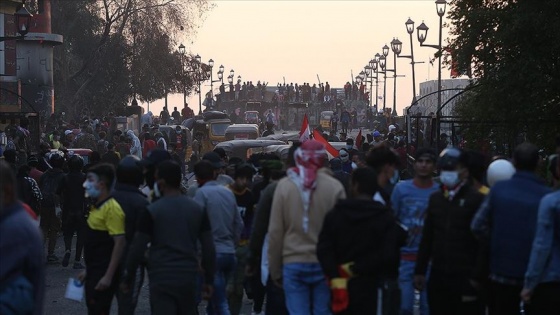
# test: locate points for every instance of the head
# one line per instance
(310, 157)
(364, 183)
(290, 161)
(32, 161)
(526, 157)
(10, 156)
(243, 175)
(385, 163)
(222, 154)
(175, 108)
(453, 163)
(56, 160)
(204, 172)
(376, 136)
(349, 143)
(110, 146)
(167, 178)
(8, 194)
(343, 155)
(150, 162)
(178, 130)
(99, 180)
(424, 163)
(335, 164)
(129, 171)
(476, 163)
(217, 163)
(499, 170)
(147, 136)
(75, 163)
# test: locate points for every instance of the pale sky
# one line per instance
(298, 40)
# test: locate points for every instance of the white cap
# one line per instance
(67, 132)
(392, 127)
(499, 170)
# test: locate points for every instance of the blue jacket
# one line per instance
(544, 264)
(509, 218)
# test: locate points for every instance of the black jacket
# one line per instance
(447, 240)
(364, 232)
(132, 202)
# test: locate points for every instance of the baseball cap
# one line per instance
(376, 134)
(214, 159)
(67, 132)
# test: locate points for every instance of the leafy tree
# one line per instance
(512, 49)
(115, 50)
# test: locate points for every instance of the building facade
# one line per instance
(428, 98)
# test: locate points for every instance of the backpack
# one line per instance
(49, 183)
(102, 146)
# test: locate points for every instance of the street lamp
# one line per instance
(374, 63)
(23, 20)
(210, 74)
(231, 73)
(410, 30)
(382, 64)
(422, 32)
(396, 47)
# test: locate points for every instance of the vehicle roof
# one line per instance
(282, 137)
(242, 127)
(248, 143)
(327, 112)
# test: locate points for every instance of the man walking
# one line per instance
(22, 271)
(104, 241)
(448, 243)
(410, 201)
(226, 223)
(173, 225)
(542, 279)
(294, 228)
(508, 220)
(132, 202)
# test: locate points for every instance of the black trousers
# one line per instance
(504, 299)
(128, 301)
(74, 223)
(99, 302)
(451, 294)
(174, 299)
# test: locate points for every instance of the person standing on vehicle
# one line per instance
(508, 220)
(73, 210)
(345, 120)
(104, 241)
(132, 201)
(448, 243)
(410, 200)
(173, 225)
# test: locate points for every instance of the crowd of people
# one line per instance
(308, 235)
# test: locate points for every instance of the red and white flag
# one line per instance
(359, 140)
(304, 133)
(318, 137)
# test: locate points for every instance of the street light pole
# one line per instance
(422, 32)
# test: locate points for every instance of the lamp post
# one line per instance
(220, 77)
(382, 63)
(422, 32)
(394, 70)
(182, 52)
(370, 75)
(396, 47)
(23, 20)
(410, 30)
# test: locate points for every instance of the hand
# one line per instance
(249, 271)
(82, 276)
(419, 282)
(207, 291)
(104, 283)
(526, 295)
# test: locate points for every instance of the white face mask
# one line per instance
(449, 178)
(395, 177)
(157, 192)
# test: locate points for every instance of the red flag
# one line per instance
(304, 133)
(319, 137)
(359, 140)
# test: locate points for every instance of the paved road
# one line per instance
(57, 279)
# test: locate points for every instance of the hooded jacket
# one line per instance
(364, 232)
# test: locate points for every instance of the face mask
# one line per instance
(449, 178)
(344, 158)
(157, 192)
(91, 190)
(395, 177)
